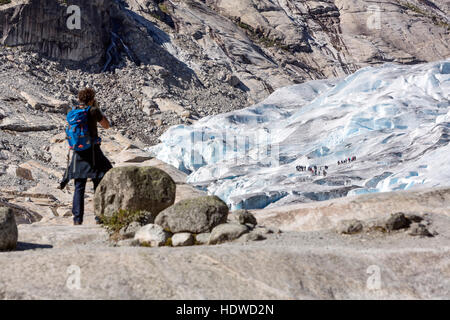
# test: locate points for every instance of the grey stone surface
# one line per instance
(293, 265)
(379, 206)
(195, 215)
(134, 188)
(227, 232)
(128, 243)
(8, 229)
(221, 51)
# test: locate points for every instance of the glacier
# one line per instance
(394, 119)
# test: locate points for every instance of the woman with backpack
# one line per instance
(88, 160)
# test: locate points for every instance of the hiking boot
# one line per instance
(77, 223)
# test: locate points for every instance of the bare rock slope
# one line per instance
(60, 261)
(257, 46)
(311, 265)
(158, 63)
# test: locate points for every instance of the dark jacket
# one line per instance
(90, 163)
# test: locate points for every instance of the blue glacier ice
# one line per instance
(395, 119)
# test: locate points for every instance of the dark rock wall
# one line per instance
(41, 25)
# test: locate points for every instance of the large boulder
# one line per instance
(196, 215)
(8, 229)
(134, 189)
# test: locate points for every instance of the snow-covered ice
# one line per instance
(395, 119)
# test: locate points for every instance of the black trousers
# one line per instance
(78, 198)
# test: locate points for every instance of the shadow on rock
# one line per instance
(24, 246)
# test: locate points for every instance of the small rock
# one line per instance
(185, 114)
(227, 232)
(243, 217)
(414, 217)
(24, 173)
(182, 239)
(153, 235)
(252, 236)
(418, 229)
(8, 229)
(349, 226)
(130, 230)
(263, 230)
(233, 80)
(202, 238)
(397, 221)
(167, 105)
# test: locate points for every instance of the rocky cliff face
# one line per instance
(257, 46)
(41, 26)
(270, 43)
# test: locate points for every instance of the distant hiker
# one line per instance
(88, 160)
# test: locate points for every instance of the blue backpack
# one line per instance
(78, 129)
